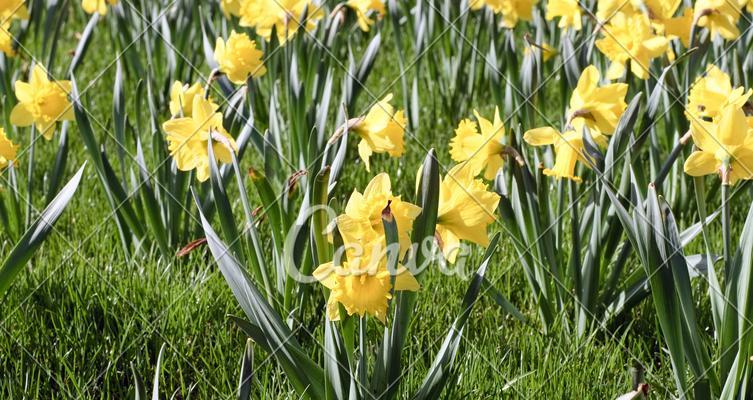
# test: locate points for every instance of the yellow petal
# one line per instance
(701, 163)
(541, 136)
(380, 184)
(20, 116)
(326, 275)
(404, 280)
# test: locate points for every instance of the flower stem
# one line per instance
(30, 177)
(726, 218)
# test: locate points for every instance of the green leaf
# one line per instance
(37, 233)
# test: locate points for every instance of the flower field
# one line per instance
(376, 199)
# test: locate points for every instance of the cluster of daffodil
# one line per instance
(286, 87)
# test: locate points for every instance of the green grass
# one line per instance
(72, 325)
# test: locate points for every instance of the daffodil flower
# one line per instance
(679, 27)
(8, 150)
(363, 212)
(568, 12)
(363, 283)
(239, 58)
(283, 15)
(188, 138)
(231, 7)
(181, 98)
(97, 6)
(568, 149)
(720, 17)
(598, 108)
(42, 102)
(512, 11)
(725, 146)
(363, 8)
(13, 9)
(482, 151)
(381, 131)
(6, 40)
(711, 93)
(630, 39)
(466, 208)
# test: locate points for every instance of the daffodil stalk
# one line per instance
(726, 230)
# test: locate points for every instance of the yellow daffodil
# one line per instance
(97, 6)
(8, 150)
(189, 137)
(482, 151)
(725, 146)
(606, 9)
(719, 17)
(363, 8)
(568, 148)
(42, 102)
(283, 15)
(679, 27)
(568, 12)
(381, 131)
(10, 9)
(362, 283)
(363, 212)
(231, 7)
(239, 58)
(598, 108)
(630, 38)
(466, 208)
(512, 10)
(181, 98)
(547, 51)
(6, 40)
(711, 93)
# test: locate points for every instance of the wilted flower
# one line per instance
(10, 9)
(363, 8)
(239, 58)
(381, 131)
(482, 151)
(466, 208)
(181, 98)
(98, 6)
(363, 212)
(42, 102)
(362, 283)
(711, 93)
(630, 39)
(188, 138)
(598, 108)
(547, 51)
(725, 146)
(284, 15)
(719, 17)
(7, 150)
(567, 10)
(568, 148)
